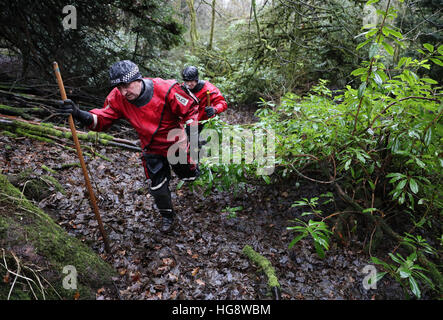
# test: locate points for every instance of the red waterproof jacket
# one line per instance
(217, 101)
(169, 108)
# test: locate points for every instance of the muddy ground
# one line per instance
(202, 258)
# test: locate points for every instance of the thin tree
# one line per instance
(211, 35)
(193, 30)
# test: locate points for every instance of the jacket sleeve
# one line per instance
(103, 118)
(218, 102)
(183, 106)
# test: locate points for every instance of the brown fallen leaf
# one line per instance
(172, 277)
(200, 282)
(101, 290)
(285, 296)
(6, 278)
(195, 271)
(136, 277)
(167, 261)
(299, 296)
(162, 269)
(77, 295)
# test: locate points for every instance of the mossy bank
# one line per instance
(35, 247)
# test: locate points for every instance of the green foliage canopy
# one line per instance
(105, 32)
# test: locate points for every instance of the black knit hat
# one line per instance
(124, 71)
(190, 73)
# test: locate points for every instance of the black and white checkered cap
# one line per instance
(124, 71)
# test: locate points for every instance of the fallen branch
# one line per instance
(47, 132)
(264, 263)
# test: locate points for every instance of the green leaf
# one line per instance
(180, 184)
(429, 80)
(429, 47)
(437, 61)
(389, 49)
(371, 2)
(395, 174)
(395, 259)
(380, 12)
(361, 158)
(378, 277)
(378, 79)
(401, 61)
(297, 239)
(319, 249)
(361, 45)
(420, 163)
(412, 257)
(361, 89)
(396, 34)
(401, 185)
(299, 203)
(359, 71)
(428, 137)
(414, 287)
(373, 50)
(347, 164)
(380, 262)
(413, 185)
(371, 33)
(369, 26)
(404, 272)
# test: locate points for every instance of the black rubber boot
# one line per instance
(168, 217)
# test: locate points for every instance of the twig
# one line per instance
(17, 275)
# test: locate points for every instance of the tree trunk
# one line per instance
(256, 20)
(193, 30)
(211, 36)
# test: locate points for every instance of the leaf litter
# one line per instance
(202, 258)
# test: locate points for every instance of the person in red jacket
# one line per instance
(154, 107)
(201, 89)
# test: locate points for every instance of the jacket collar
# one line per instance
(145, 95)
(199, 86)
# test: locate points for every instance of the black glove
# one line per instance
(210, 112)
(69, 107)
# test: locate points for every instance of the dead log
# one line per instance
(44, 130)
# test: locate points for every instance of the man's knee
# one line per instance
(162, 194)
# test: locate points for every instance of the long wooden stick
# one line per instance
(82, 161)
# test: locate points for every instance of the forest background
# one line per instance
(352, 90)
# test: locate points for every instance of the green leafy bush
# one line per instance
(379, 144)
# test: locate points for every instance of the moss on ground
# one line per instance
(35, 187)
(45, 248)
(264, 263)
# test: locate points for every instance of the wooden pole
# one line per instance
(82, 161)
